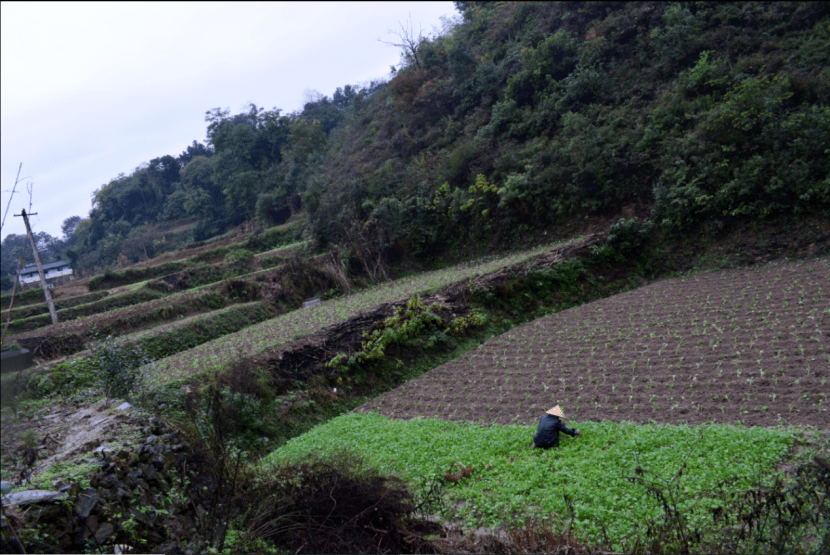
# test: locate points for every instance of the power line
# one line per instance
(10, 198)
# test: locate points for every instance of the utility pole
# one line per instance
(43, 284)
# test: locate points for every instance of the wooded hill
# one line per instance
(513, 120)
(528, 116)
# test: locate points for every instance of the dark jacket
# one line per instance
(548, 433)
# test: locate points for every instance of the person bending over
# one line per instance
(549, 427)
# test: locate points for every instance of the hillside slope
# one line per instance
(514, 120)
(531, 117)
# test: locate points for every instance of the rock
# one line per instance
(90, 445)
(170, 547)
(124, 406)
(144, 518)
(86, 502)
(104, 532)
(158, 461)
(150, 440)
(91, 522)
(34, 496)
(149, 472)
(109, 482)
(148, 452)
(131, 479)
(5, 487)
(311, 303)
(80, 536)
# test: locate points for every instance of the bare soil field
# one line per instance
(740, 346)
(71, 289)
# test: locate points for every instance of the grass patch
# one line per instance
(585, 480)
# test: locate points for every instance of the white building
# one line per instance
(54, 272)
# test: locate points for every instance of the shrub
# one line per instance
(337, 505)
(777, 515)
(625, 240)
(116, 366)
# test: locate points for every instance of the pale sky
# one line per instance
(91, 90)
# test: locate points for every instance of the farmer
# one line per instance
(549, 427)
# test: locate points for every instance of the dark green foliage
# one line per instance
(272, 209)
(34, 309)
(30, 296)
(713, 114)
(131, 244)
(65, 379)
(269, 262)
(628, 239)
(520, 119)
(765, 156)
(552, 60)
(116, 366)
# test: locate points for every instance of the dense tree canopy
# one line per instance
(526, 115)
(514, 118)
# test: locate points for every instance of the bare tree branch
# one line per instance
(408, 41)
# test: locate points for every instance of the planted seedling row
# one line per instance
(651, 355)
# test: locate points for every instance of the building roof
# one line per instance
(33, 267)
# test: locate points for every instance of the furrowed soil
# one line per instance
(743, 346)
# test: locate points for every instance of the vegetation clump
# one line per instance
(407, 325)
(338, 504)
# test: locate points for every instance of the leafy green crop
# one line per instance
(512, 481)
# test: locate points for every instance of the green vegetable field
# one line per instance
(591, 472)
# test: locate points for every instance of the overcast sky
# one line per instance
(90, 90)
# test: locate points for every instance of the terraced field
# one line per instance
(747, 346)
(656, 379)
(143, 296)
(224, 351)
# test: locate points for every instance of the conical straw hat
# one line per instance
(556, 411)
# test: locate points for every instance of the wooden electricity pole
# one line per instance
(43, 284)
